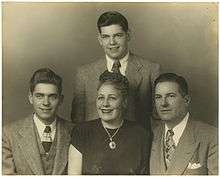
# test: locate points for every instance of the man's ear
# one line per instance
(128, 34)
(61, 99)
(125, 103)
(187, 99)
(30, 97)
(99, 39)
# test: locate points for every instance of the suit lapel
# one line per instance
(157, 159)
(101, 66)
(28, 143)
(184, 151)
(62, 148)
(162, 160)
(132, 71)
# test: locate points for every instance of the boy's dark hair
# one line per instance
(112, 18)
(45, 75)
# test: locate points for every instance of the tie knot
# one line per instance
(117, 63)
(47, 129)
(116, 66)
(170, 132)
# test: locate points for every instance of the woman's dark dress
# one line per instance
(129, 157)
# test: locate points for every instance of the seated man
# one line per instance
(38, 144)
(181, 145)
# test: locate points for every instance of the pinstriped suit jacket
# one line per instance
(198, 145)
(141, 74)
(20, 153)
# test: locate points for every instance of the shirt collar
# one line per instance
(123, 60)
(41, 126)
(178, 129)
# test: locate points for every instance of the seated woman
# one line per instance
(110, 144)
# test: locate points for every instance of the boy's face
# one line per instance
(45, 100)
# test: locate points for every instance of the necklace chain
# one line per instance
(111, 136)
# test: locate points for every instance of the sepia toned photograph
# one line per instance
(106, 88)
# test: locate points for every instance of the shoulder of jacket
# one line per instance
(86, 69)
(13, 127)
(204, 130)
(65, 121)
(142, 60)
(90, 65)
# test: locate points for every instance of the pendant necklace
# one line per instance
(112, 144)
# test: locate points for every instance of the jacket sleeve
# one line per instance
(79, 99)
(212, 161)
(8, 166)
(155, 72)
(145, 157)
(145, 96)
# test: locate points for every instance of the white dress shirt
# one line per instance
(41, 126)
(178, 129)
(123, 61)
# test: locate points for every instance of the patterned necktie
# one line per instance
(169, 147)
(116, 66)
(47, 139)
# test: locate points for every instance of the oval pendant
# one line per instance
(112, 145)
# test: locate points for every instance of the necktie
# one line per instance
(116, 66)
(47, 139)
(169, 147)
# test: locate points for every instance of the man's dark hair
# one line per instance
(112, 18)
(45, 75)
(172, 77)
(118, 80)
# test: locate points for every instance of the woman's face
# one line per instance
(109, 102)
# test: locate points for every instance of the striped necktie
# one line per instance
(169, 147)
(116, 66)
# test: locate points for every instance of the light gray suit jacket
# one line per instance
(141, 74)
(20, 153)
(196, 152)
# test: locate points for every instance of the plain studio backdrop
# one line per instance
(182, 37)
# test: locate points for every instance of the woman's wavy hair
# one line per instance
(119, 81)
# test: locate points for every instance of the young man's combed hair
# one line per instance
(46, 75)
(112, 18)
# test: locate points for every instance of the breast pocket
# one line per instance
(199, 171)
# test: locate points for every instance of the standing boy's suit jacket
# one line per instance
(20, 152)
(140, 74)
(195, 154)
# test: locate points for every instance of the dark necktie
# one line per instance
(169, 147)
(47, 139)
(116, 66)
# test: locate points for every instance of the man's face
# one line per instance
(114, 41)
(171, 106)
(45, 100)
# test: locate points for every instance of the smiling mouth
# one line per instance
(45, 110)
(106, 110)
(113, 48)
(165, 110)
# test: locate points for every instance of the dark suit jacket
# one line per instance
(198, 146)
(20, 153)
(141, 75)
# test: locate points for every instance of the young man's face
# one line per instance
(171, 106)
(114, 41)
(45, 100)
